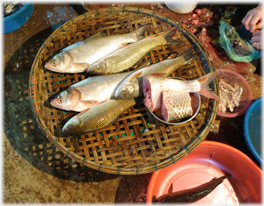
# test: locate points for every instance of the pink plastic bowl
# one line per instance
(208, 160)
(231, 77)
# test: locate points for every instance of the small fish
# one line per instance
(80, 55)
(222, 105)
(131, 86)
(236, 97)
(229, 96)
(129, 55)
(193, 194)
(97, 117)
(175, 105)
(153, 85)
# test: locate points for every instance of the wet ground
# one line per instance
(34, 170)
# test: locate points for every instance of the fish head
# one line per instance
(128, 90)
(59, 63)
(71, 127)
(65, 100)
(97, 67)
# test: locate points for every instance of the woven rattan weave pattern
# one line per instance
(126, 147)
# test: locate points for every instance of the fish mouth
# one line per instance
(53, 103)
(66, 131)
(47, 65)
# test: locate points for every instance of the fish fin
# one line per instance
(204, 81)
(171, 188)
(98, 34)
(170, 40)
(159, 74)
(151, 36)
(145, 64)
(188, 55)
(213, 179)
(139, 33)
(89, 102)
(170, 33)
(140, 61)
(135, 75)
(154, 199)
(80, 66)
(171, 56)
(112, 57)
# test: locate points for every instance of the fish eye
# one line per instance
(60, 100)
(54, 63)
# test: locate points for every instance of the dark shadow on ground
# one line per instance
(133, 189)
(21, 128)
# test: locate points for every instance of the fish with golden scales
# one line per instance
(192, 194)
(97, 89)
(154, 84)
(129, 55)
(77, 57)
(96, 117)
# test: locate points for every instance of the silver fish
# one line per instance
(88, 92)
(98, 89)
(131, 86)
(80, 55)
(153, 86)
(128, 56)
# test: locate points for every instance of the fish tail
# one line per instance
(139, 33)
(168, 36)
(204, 82)
(188, 55)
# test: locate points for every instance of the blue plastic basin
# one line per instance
(18, 19)
(252, 128)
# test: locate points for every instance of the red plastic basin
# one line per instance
(208, 160)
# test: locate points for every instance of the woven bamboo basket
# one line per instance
(126, 147)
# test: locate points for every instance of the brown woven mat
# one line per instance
(123, 148)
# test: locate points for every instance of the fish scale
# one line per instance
(135, 51)
(97, 117)
(175, 105)
(128, 56)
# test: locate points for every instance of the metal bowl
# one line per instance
(195, 102)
